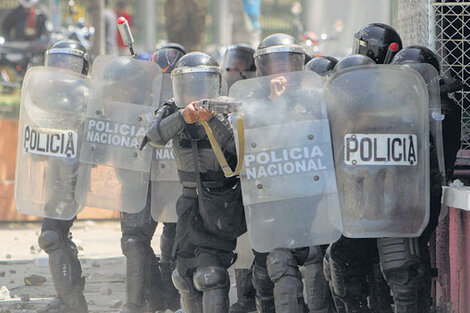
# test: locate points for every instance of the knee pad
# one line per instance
(280, 263)
(399, 258)
(132, 246)
(49, 241)
(211, 277)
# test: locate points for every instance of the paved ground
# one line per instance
(100, 254)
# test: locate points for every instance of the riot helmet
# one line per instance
(27, 3)
(238, 64)
(322, 65)
(380, 42)
(279, 53)
(196, 76)
(167, 55)
(417, 54)
(68, 54)
(353, 60)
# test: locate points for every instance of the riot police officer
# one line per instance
(405, 262)
(348, 262)
(276, 275)
(238, 64)
(210, 211)
(55, 237)
(149, 285)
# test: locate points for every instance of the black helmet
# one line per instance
(196, 76)
(68, 54)
(417, 54)
(167, 55)
(279, 53)
(322, 65)
(353, 60)
(375, 40)
(238, 64)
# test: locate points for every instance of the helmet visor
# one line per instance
(279, 62)
(192, 86)
(65, 61)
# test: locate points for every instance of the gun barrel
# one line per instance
(220, 106)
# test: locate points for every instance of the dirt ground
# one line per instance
(100, 255)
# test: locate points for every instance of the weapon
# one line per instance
(223, 105)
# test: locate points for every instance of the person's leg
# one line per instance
(143, 278)
(64, 266)
(167, 266)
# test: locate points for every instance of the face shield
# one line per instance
(195, 83)
(70, 59)
(279, 59)
(237, 65)
(368, 48)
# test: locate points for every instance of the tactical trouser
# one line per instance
(245, 291)
(65, 268)
(318, 293)
(406, 264)
(201, 272)
(149, 285)
(278, 282)
(346, 265)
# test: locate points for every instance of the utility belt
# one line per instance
(210, 180)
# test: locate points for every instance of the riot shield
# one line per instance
(52, 115)
(431, 78)
(166, 187)
(379, 124)
(113, 173)
(288, 181)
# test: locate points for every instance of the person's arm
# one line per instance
(168, 122)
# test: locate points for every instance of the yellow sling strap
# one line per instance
(220, 155)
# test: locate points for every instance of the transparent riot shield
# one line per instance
(166, 187)
(288, 181)
(379, 123)
(114, 174)
(431, 78)
(52, 115)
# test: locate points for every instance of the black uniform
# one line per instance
(202, 255)
(276, 275)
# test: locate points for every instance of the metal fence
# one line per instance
(443, 26)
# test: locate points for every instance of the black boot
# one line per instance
(66, 274)
(245, 292)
